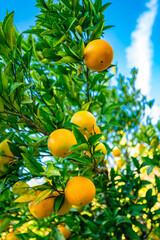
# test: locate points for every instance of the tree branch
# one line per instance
(27, 120)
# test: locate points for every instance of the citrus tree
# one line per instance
(77, 158)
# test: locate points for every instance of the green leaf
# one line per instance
(95, 138)
(14, 85)
(98, 5)
(43, 195)
(97, 32)
(131, 234)
(92, 226)
(1, 105)
(112, 107)
(2, 37)
(107, 27)
(34, 31)
(58, 203)
(137, 207)
(34, 166)
(4, 81)
(115, 123)
(148, 194)
(4, 224)
(20, 188)
(8, 29)
(26, 100)
(69, 22)
(79, 136)
(42, 4)
(150, 103)
(57, 234)
(77, 158)
(75, 3)
(103, 8)
(135, 162)
(82, 19)
(51, 170)
(122, 219)
(3, 50)
(79, 147)
(15, 149)
(54, 32)
(86, 106)
(92, 7)
(72, 52)
(62, 39)
(150, 169)
(68, 60)
(81, 47)
(66, 4)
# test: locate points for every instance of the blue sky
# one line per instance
(135, 38)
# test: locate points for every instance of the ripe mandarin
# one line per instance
(65, 231)
(102, 149)
(95, 130)
(43, 208)
(120, 163)
(98, 55)
(60, 141)
(11, 236)
(80, 191)
(116, 152)
(85, 120)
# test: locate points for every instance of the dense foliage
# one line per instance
(43, 82)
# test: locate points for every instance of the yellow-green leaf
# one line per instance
(20, 187)
(25, 198)
(44, 194)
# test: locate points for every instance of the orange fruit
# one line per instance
(43, 208)
(95, 130)
(102, 149)
(66, 205)
(7, 225)
(98, 55)
(5, 150)
(65, 231)
(116, 152)
(120, 163)
(80, 191)
(85, 120)
(60, 141)
(11, 236)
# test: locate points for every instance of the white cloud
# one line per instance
(140, 52)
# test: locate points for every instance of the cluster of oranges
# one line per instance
(79, 191)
